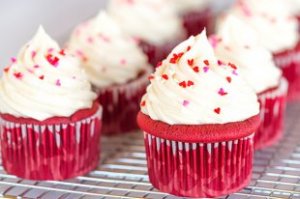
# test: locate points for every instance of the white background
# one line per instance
(19, 19)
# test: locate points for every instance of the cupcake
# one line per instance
(195, 14)
(116, 67)
(153, 23)
(278, 32)
(237, 43)
(198, 117)
(50, 122)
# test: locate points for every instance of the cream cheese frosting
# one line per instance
(184, 6)
(273, 21)
(153, 21)
(236, 42)
(107, 54)
(192, 87)
(44, 82)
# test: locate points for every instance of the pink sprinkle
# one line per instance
(185, 103)
(123, 61)
(50, 50)
(220, 63)
(234, 72)
(58, 83)
(33, 54)
(205, 69)
(13, 59)
(18, 75)
(222, 92)
(90, 40)
(214, 41)
(30, 70)
(36, 66)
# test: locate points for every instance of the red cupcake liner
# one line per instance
(121, 104)
(50, 152)
(157, 53)
(199, 169)
(194, 22)
(289, 62)
(272, 109)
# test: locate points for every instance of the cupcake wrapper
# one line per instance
(195, 22)
(199, 169)
(289, 62)
(157, 53)
(50, 152)
(121, 105)
(272, 108)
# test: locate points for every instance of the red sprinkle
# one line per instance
(220, 62)
(228, 79)
(151, 77)
(190, 62)
(41, 77)
(18, 75)
(52, 60)
(190, 83)
(62, 52)
(188, 48)
(196, 69)
(143, 103)
(164, 76)
(182, 84)
(206, 62)
(233, 66)
(217, 110)
(175, 58)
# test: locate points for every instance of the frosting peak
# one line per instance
(44, 82)
(238, 43)
(193, 87)
(272, 19)
(153, 21)
(108, 55)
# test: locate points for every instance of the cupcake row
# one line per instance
(210, 102)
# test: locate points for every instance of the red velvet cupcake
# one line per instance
(50, 126)
(199, 118)
(278, 32)
(195, 14)
(153, 23)
(236, 42)
(116, 67)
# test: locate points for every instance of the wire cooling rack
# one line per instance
(123, 172)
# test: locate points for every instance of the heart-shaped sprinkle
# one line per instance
(190, 62)
(206, 62)
(165, 76)
(190, 83)
(217, 110)
(222, 92)
(143, 103)
(41, 77)
(196, 69)
(205, 69)
(185, 103)
(18, 75)
(228, 79)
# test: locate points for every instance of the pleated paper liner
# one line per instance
(199, 169)
(272, 109)
(51, 151)
(289, 62)
(121, 104)
(194, 22)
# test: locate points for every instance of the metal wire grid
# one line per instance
(123, 172)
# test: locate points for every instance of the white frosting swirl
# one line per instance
(184, 6)
(153, 21)
(109, 57)
(276, 27)
(238, 43)
(42, 82)
(294, 6)
(213, 94)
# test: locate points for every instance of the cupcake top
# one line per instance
(276, 27)
(184, 6)
(43, 82)
(153, 21)
(238, 43)
(107, 54)
(192, 87)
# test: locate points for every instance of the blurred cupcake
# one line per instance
(278, 32)
(50, 124)
(196, 14)
(117, 68)
(153, 23)
(237, 43)
(199, 119)
(295, 9)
